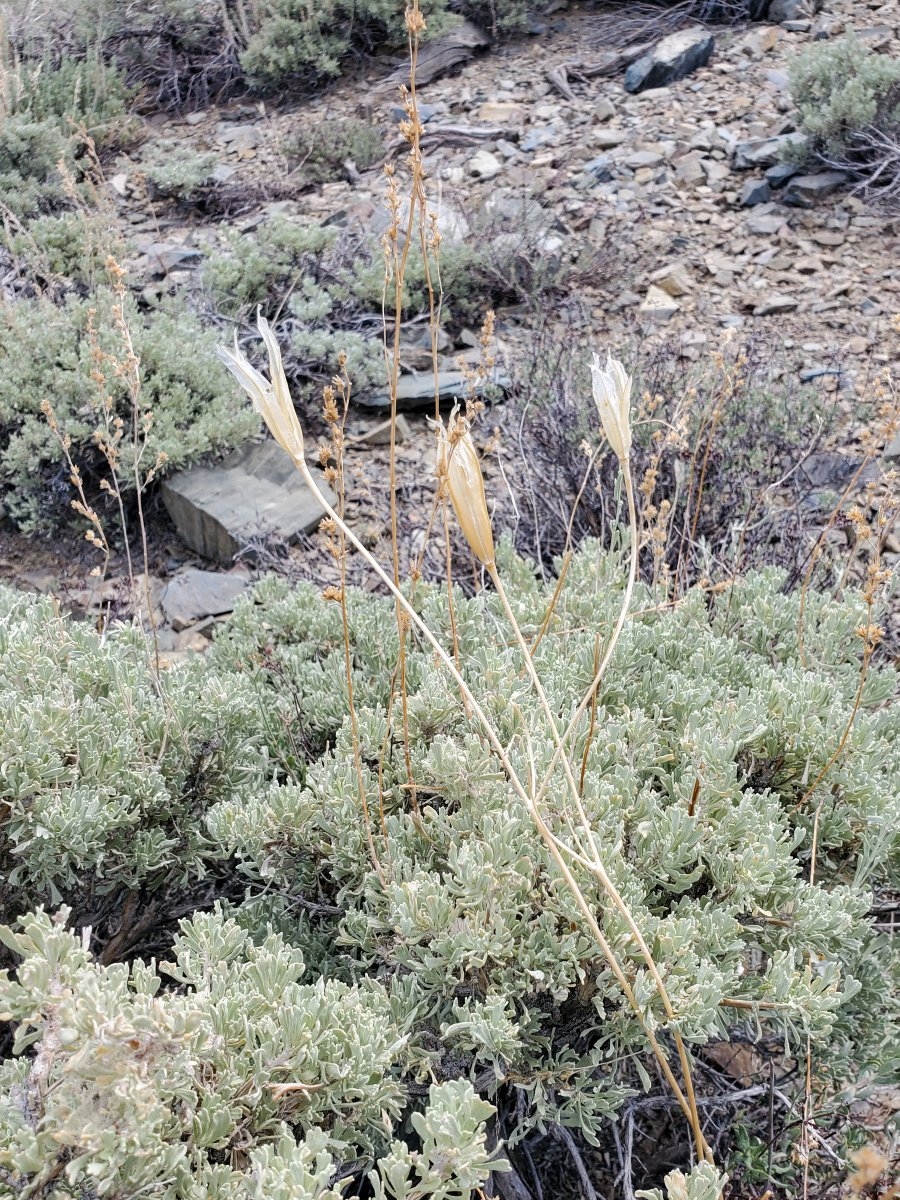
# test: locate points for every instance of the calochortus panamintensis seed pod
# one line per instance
(457, 467)
(271, 400)
(612, 395)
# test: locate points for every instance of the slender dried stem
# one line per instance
(529, 799)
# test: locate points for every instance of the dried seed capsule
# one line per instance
(272, 400)
(612, 395)
(456, 464)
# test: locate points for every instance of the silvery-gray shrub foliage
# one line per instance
(104, 777)
(45, 352)
(291, 1039)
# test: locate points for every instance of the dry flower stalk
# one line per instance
(470, 493)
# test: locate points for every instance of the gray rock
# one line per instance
(876, 37)
(608, 139)
(690, 170)
(239, 137)
(644, 158)
(603, 110)
(823, 27)
(828, 468)
(658, 305)
(755, 191)
(765, 224)
(257, 490)
(773, 305)
(675, 279)
(892, 451)
(805, 191)
(813, 373)
(822, 476)
(778, 175)
(765, 152)
(485, 165)
(193, 594)
(380, 434)
(166, 256)
(674, 57)
(427, 112)
(598, 170)
(417, 391)
(792, 10)
(539, 136)
(453, 224)
(778, 79)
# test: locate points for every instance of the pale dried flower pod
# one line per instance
(272, 400)
(612, 394)
(457, 466)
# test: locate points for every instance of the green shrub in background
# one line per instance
(190, 52)
(45, 353)
(840, 86)
(287, 1042)
(261, 268)
(70, 248)
(296, 42)
(307, 275)
(30, 154)
(848, 99)
(327, 286)
(282, 258)
(76, 92)
(176, 172)
(320, 151)
(46, 115)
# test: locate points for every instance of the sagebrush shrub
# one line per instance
(321, 150)
(46, 353)
(460, 958)
(105, 779)
(240, 1043)
(840, 86)
(176, 171)
(342, 270)
(46, 115)
(328, 286)
(848, 98)
(30, 154)
(258, 269)
(70, 248)
(76, 92)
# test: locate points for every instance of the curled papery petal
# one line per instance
(272, 400)
(612, 395)
(247, 376)
(456, 464)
